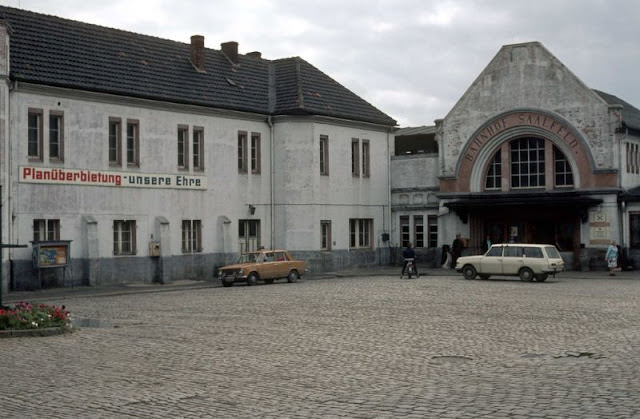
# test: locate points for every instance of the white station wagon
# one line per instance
(528, 261)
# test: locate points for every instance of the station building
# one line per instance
(155, 160)
(529, 153)
(139, 159)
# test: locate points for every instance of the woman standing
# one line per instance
(612, 258)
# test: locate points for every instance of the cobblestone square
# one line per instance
(362, 347)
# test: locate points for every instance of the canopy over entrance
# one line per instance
(536, 217)
(575, 201)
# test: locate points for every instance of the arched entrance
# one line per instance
(546, 218)
(524, 176)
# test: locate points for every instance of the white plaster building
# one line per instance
(160, 160)
(528, 154)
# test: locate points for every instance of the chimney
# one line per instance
(197, 52)
(254, 54)
(230, 49)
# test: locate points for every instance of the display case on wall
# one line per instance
(51, 254)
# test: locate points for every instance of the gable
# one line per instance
(525, 76)
(528, 78)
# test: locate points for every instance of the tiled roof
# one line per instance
(630, 114)
(60, 52)
(421, 130)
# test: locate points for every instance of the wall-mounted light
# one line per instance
(252, 209)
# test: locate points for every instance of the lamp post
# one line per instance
(2, 246)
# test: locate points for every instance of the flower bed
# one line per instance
(32, 317)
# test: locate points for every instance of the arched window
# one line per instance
(494, 175)
(533, 162)
(563, 174)
(527, 163)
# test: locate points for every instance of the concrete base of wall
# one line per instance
(20, 275)
(114, 271)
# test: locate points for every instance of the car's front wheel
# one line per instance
(227, 282)
(526, 274)
(469, 272)
(293, 276)
(252, 278)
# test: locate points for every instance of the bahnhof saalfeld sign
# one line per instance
(61, 176)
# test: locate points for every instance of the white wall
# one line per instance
(85, 147)
(304, 197)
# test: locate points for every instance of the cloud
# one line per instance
(412, 59)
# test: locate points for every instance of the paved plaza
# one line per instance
(357, 347)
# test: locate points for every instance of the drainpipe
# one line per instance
(388, 228)
(271, 178)
(623, 205)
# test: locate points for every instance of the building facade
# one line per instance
(531, 154)
(155, 160)
(141, 159)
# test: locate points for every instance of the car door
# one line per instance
(534, 259)
(513, 260)
(268, 267)
(492, 263)
(282, 264)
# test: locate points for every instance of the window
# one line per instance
(124, 237)
(324, 155)
(255, 152)
(133, 143)
(495, 251)
(513, 251)
(242, 152)
(183, 149)
(633, 158)
(34, 146)
(249, 235)
(527, 163)
(634, 230)
(56, 136)
(563, 174)
(325, 232)
(191, 236)
(418, 231)
(280, 256)
(494, 175)
(115, 142)
(432, 221)
(355, 157)
(533, 252)
(365, 158)
(405, 232)
(360, 233)
(46, 230)
(198, 148)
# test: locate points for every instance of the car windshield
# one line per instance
(247, 258)
(552, 252)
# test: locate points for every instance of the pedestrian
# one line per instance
(612, 258)
(409, 253)
(486, 244)
(456, 250)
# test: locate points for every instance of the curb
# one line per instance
(386, 271)
(48, 331)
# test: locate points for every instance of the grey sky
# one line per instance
(412, 59)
